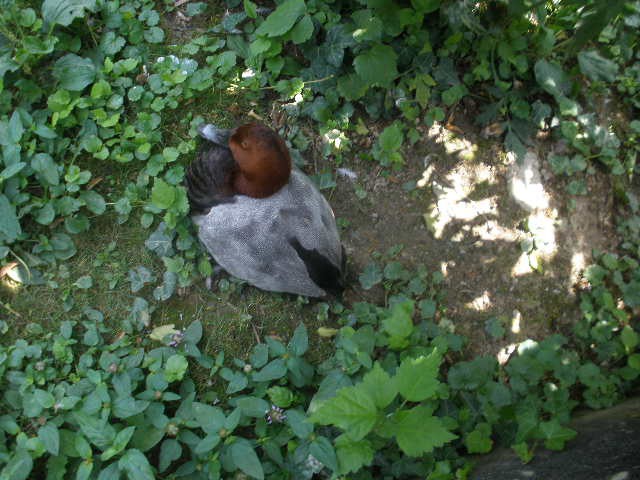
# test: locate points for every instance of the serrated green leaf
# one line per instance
(380, 386)
(555, 435)
(417, 431)
(353, 455)
(391, 138)
(352, 409)
(479, 440)
(417, 379)
(377, 66)
(282, 19)
(399, 323)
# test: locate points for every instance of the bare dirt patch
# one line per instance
(461, 219)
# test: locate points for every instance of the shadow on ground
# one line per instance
(451, 208)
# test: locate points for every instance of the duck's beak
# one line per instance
(219, 136)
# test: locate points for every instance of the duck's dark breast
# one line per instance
(209, 178)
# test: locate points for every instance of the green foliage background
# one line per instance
(88, 90)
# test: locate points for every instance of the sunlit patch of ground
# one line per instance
(506, 240)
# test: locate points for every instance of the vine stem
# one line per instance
(21, 261)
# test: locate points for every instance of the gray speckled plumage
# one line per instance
(251, 237)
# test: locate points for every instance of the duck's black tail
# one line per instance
(208, 177)
(323, 273)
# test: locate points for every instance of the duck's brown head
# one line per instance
(264, 163)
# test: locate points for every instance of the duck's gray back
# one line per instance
(252, 238)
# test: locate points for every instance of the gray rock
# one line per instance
(607, 447)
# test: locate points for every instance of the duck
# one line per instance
(259, 216)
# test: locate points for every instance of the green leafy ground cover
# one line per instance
(98, 118)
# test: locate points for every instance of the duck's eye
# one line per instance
(244, 144)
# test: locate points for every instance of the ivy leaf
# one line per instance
(377, 66)
(371, 276)
(352, 86)
(84, 282)
(245, 458)
(9, 224)
(417, 378)
(136, 465)
(163, 195)
(45, 215)
(597, 67)
(73, 72)
(164, 291)
(552, 78)
(494, 327)
(63, 12)
(555, 435)
(154, 35)
(94, 201)
(353, 455)
(138, 277)
(160, 242)
(417, 431)
(479, 440)
(281, 20)
(352, 409)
